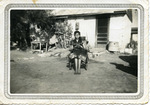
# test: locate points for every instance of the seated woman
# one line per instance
(78, 53)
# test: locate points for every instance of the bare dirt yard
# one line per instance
(107, 73)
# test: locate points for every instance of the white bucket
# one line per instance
(113, 46)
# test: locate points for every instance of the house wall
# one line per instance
(135, 23)
(120, 30)
(134, 18)
(87, 27)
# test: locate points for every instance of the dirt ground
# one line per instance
(107, 73)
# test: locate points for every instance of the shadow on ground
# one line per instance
(132, 68)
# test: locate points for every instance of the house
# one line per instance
(101, 26)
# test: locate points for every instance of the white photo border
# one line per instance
(117, 96)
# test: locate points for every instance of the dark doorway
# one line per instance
(102, 31)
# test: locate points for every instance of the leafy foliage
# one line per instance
(64, 28)
(21, 21)
(40, 23)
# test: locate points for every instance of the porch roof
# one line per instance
(68, 12)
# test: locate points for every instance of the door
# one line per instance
(102, 31)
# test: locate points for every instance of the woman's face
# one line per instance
(77, 35)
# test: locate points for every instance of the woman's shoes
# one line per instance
(77, 71)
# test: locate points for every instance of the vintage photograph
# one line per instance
(74, 51)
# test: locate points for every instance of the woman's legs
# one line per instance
(76, 65)
(79, 65)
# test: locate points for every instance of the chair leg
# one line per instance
(86, 63)
(85, 67)
(70, 65)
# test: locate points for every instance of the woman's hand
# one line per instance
(80, 46)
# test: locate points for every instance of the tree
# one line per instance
(64, 29)
(19, 28)
(21, 21)
(42, 20)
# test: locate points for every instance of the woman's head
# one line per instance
(77, 34)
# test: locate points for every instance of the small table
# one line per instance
(39, 44)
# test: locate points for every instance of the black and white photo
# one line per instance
(74, 52)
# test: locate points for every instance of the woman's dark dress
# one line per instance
(78, 50)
